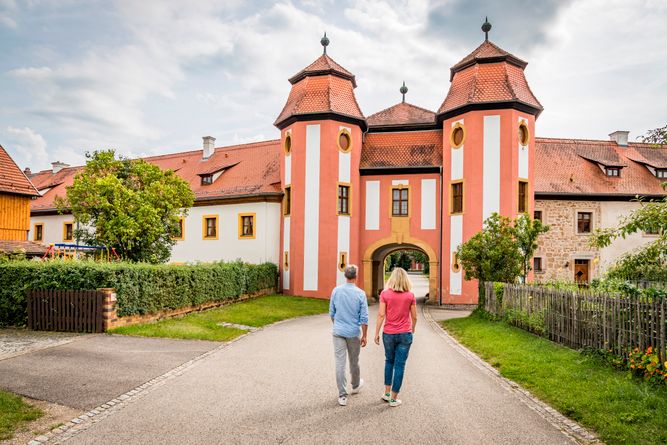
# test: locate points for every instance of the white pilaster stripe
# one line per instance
(491, 166)
(372, 205)
(428, 204)
(455, 239)
(286, 241)
(457, 158)
(344, 160)
(343, 244)
(523, 155)
(311, 221)
(288, 170)
(399, 182)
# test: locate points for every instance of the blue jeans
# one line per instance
(396, 349)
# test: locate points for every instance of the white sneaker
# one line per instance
(394, 403)
(386, 397)
(358, 388)
(342, 400)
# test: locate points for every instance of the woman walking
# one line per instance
(398, 311)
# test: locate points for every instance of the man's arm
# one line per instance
(332, 306)
(363, 319)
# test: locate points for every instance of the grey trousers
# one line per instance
(344, 346)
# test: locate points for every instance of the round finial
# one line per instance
(486, 27)
(403, 90)
(325, 42)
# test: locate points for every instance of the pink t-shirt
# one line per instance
(398, 320)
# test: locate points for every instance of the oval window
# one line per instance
(458, 136)
(344, 141)
(288, 144)
(456, 266)
(524, 134)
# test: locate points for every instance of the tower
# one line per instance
(488, 119)
(321, 129)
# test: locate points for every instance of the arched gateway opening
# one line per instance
(374, 268)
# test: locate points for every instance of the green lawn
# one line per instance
(204, 325)
(13, 412)
(622, 410)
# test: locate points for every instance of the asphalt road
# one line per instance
(278, 386)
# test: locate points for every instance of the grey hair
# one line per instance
(350, 271)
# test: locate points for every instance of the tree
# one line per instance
(527, 231)
(130, 205)
(493, 253)
(657, 136)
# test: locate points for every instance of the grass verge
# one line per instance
(205, 325)
(13, 413)
(621, 409)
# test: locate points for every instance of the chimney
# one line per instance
(209, 146)
(620, 137)
(27, 171)
(57, 166)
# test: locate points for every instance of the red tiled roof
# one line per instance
(321, 66)
(321, 94)
(26, 247)
(252, 169)
(648, 154)
(401, 114)
(489, 83)
(12, 179)
(559, 168)
(405, 149)
(484, 52)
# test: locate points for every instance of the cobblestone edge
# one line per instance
(567, 426)
(86, 420)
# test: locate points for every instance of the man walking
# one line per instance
(348, 309)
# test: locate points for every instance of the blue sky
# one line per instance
(150, 77)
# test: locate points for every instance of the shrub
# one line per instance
(140, 288)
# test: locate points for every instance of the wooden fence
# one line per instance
(66, 310)
(584, 318)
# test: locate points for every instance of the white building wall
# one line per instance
(194, 248)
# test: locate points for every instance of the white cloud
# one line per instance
(25, 145)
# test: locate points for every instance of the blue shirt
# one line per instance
(349, 309)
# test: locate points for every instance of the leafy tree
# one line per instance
(493, 253)
(527, 231)
(656, 136)
(130, 205)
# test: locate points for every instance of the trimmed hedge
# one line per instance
(141, 288)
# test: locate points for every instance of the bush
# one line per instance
(140, 288)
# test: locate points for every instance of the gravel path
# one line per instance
(15, 342)
(277, 386)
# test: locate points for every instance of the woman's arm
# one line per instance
(413, 315)
(381, 314)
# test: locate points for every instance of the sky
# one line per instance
(154, 76)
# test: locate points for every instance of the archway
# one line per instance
(374, 259)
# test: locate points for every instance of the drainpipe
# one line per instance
(442, 201)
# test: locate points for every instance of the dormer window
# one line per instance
(206, 179)
(661, 173)
(613, 171)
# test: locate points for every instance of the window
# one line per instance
(178, 232)
(342, 261)
(38, 232)
(210, 226)
(399, 202)
(457, 136)
(652, 231)
(344, 140)
(456, 265)
(537, 264)
(661, 173)
(537, 214)
(613, 171)
(68, 231)
(246, 225)
(288, 144)
(523, 197)
(287, 201)
(524, 133)
(457, 197)
(584, 222)
(286, 260)
(343, 199)
(206, 179)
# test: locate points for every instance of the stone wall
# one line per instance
(561, 245)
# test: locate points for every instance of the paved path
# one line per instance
(277, 386)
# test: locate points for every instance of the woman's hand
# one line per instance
(377, 340)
